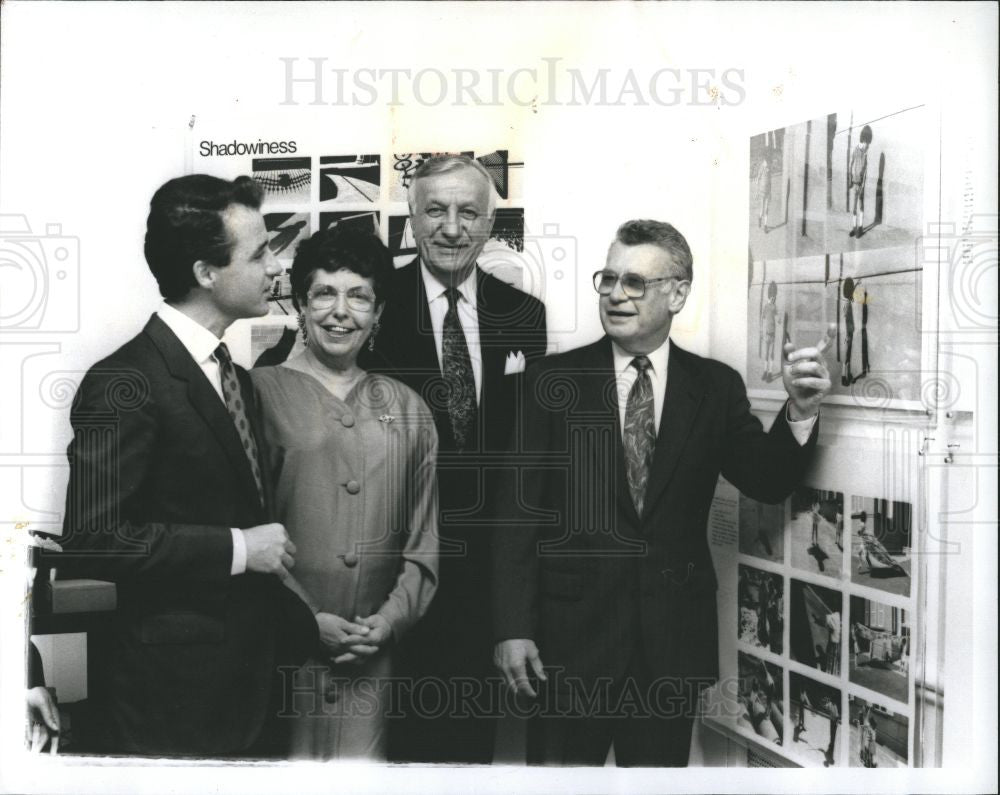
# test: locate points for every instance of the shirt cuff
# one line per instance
(239, 552)
(801, 429)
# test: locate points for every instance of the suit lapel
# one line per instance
(203, 398)
(680, 405)
(490, 339)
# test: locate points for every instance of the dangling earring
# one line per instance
(302, 327)
(371, 337)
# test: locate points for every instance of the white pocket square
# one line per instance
(514, 363)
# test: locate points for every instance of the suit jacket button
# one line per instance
(351, 560)
(353, 487)
(347, 420)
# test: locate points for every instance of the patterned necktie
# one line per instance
(640, 432)
(238, 411)
(457, 371)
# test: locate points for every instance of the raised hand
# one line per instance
(806, 376)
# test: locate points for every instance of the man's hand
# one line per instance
(512, 658)
(338, 635)
(806, 377)
(379, 634)
(269, 549)
(43, 719)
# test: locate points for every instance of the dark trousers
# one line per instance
(642, 732)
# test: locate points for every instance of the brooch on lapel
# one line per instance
(386, 418)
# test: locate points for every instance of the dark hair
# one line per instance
(185, 225)
(866, 134)
(848, 288)
(661, 235)
(339, 247)
(772, 289)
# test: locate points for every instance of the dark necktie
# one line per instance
(456, 367)
(238, 411)
(640, 432)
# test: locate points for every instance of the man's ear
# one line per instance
(679, 296)
(204, 273)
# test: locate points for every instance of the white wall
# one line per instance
(96, 99)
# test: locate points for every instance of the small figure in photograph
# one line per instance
(834, 715)
(858, 172)
(840, 530)
(830, 662)
(768, 325)
(847, 291)
(800, 724)
(872, 552)
(762, 189)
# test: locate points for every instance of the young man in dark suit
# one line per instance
(460, 338)
(608, 575)
(166, 499)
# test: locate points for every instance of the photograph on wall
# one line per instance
(873, 301)
(279, 302)
(402, 244)
(349, 178)
(361, 220)
(881, 544)
(816, 531)
(285, 231)
(816, 624)
(762, 529)
(816, 720)
(876, 305)
(761, 603)
(788, 191)
(880, 648)
(761, 697)
(284, 179)
(876, 186)
(506, 170)
(274, 343)
(878, 736)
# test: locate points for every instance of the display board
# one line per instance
(824, 654)
(310, 183)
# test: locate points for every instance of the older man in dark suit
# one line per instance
(460, 338)
(608, 575)
(166, 498)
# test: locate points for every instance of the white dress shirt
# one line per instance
(659, 361)
(468, 316)
(201, 344)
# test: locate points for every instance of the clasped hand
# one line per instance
(352, 641)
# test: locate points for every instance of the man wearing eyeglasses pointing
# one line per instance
(608, 578)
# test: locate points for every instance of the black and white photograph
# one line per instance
(876, 157)
(761, 600)
(816, 626)
(882, 544)
(879, 737)
(284, 179)
(762, 529)
(349, 178)
(880, 647)
(762, 698)
(347, 451)
(816, 531)
(816, 721)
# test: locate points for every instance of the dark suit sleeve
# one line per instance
(515, 541)
(764, 466)
(115, 437)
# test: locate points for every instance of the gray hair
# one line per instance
(663, 236)
(443, 164)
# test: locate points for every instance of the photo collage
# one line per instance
(836, 212)
(309, 192)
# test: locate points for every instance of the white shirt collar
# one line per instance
(434, 288)
(198, 340)
(658, 359)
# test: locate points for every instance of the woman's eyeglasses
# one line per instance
(325, 297)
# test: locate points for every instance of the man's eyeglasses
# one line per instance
(632, 285)
(358, 298)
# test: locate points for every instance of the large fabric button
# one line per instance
(351, 560)
(347, 420)
(353, 487)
